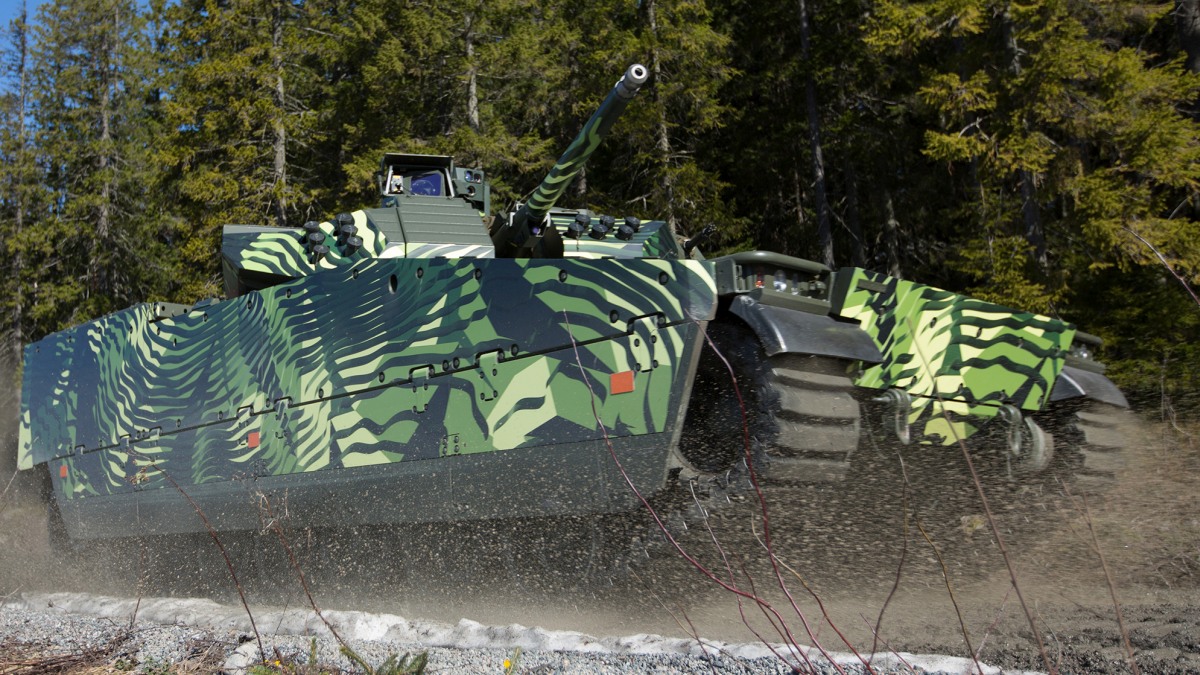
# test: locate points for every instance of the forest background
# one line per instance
(1044, 154)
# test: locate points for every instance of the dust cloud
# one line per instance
(870, 563)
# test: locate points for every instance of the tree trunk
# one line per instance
(1187, 22)
(798, 192)
(1031, 216)
(824, 226)
(99, 274)
(279, 142)
(891, 237)
(472, 74)
(662, 131)
(17, 334)
(858, 253)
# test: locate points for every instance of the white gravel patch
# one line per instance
(172, 630)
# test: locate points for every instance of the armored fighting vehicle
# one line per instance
(428, 360)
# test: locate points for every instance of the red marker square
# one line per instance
(621, 383)
(252, 439)
(62, 471)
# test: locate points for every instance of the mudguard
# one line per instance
(1076, 382)
(789, 331)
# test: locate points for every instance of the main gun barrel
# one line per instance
(576, 155)
(527, 220)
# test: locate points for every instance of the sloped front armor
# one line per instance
(389, 361)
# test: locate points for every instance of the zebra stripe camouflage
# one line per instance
(280, 253)
(971, 355)
(385, 361)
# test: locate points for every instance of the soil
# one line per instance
(871, 567)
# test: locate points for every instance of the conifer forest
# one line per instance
(1044, 154)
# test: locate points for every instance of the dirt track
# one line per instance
(1147, 525)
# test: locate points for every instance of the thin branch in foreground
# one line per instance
(880, 638)
(962, 624)
(275, 525)
(763, 604)
(1108, 578)
(987, 511)
(212, 533)
(4, 495)
(903, 555)
(995, 622)
(1161, 258)
(766, 520)
(690, 629)
(733, 582)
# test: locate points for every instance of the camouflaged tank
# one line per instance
(428, 361)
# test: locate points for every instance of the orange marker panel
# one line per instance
(621, 383)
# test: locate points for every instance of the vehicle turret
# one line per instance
(526, 230)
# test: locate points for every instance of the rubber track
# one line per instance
(805, 431)
(1103, 432)
(816, 418)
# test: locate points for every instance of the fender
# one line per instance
(1075, 382)
(789, 331)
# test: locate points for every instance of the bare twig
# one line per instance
(76, 661)
(766, 520)
(962, 624)
(4, 495)
(700, 567)
(995, 622)
(733, 582)
(1183, 282)
(878, 638)
(275, 525)
(212, 532)
(987, 511)
(1112, 585)
(903, 555)
(690, 629)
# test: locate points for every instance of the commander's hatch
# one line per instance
(404, 175)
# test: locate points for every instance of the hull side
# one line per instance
(393, 370)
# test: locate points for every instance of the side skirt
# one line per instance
(554, 480)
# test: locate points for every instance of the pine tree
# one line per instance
(650, 165)
(1069, 142)
(96, 248)
(20, 182)
(243, 131)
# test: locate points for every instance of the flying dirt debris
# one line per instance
(430, 362)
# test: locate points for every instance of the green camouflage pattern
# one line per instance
(280, 253)
(953, 354)
(384, 361)
(513, 355)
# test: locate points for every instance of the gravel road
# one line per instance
(1147, 526)
(195, 635)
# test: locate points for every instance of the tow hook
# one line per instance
(1028, 447)
(897, 405)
